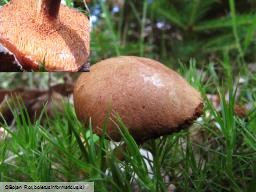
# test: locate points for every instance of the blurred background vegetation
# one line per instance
(175, 30)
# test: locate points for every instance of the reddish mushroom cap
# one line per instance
(151, 99)
(60, 45)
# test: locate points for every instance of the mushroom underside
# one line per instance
(59, 45)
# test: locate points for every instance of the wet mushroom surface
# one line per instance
(151, 99)
(45, 34)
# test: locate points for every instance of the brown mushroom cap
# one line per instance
(151, 99)
(61, 44)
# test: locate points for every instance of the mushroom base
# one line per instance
(115, 135)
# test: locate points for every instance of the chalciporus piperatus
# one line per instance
(151, 99)
(44, 32)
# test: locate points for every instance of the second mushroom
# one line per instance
(45, 33)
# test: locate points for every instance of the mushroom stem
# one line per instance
(47, 9)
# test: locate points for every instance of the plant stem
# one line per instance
(48, 9)
(110, 26)
(234, 26)
(143, 23)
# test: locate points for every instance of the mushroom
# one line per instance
(151, 99)
(45, 33)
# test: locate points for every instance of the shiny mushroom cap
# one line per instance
(151, 99)
(43, 32)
